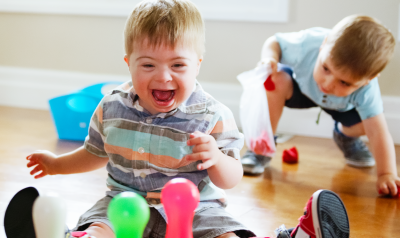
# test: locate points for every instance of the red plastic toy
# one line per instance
(397, 195)
(290, 156)
(269, 84)
(180, 198)
(78, 233)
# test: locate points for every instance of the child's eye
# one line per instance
(148, 65)
(344, 83)
(178, 65)
(325, 68)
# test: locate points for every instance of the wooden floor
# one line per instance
(260, 202)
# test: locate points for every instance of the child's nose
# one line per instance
(164, 75)
(329, 83)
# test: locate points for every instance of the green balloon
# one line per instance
(129, 214)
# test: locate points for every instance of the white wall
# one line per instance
(94, 44)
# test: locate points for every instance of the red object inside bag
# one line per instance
(262, 145)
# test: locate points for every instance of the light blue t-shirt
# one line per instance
(300, 51)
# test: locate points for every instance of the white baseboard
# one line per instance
(32, 88)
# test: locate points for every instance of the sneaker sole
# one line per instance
(360, 164)
(330, 218)
(255, 170)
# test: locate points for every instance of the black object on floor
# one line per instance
(18, 221)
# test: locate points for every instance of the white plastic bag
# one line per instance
(254, 112)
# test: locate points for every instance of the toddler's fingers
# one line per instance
(393, 189)
(397, 181)
(383, 189)
(198, 140)
(198, 156)
(35, 170)
(188, 157)
(200, 148)
(41, 175)
(191, 157)
(274, 67)
(31, 163)
(205, 165)
(196, 134)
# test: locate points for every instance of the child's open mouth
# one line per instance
(163, 98)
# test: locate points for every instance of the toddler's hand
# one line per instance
(388, 184)
(204, 148)
(43, 160)
(270, 63)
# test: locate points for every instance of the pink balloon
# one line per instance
(180, 198)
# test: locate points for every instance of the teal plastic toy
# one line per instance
(72, 112)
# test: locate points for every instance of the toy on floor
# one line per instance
(49, 215)
(397, 195)
(180, 198)
(29, 213)
(290, 156)
(126, 209)
(72, 112)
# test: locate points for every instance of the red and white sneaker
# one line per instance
(325, 217)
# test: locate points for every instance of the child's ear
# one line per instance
(126, 60)
(199, 64)
(369, 80)
(323, 43)
(376, 76)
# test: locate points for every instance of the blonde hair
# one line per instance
(165, 22)
(361, 45)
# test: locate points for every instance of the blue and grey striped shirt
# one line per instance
(145, 151)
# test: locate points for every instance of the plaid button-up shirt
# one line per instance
(145, 151)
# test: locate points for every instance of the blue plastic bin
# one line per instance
(72, 112)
